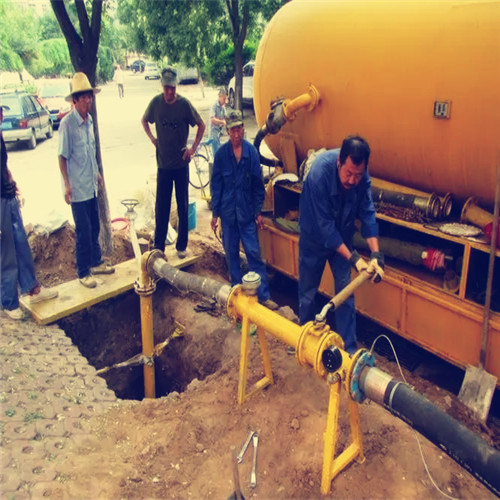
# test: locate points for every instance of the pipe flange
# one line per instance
(299, 351)
(471, 202)
(360, 360)
(144, 291)
(230, 309)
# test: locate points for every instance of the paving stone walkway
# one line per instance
(47, 393)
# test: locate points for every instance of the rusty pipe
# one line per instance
(145, 288)
(474, 214)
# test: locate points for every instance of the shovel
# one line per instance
(478, 385)
(236, 494)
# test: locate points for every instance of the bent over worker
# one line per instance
(237, 197)
(337, 191)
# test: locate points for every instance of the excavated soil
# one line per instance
(181, 444)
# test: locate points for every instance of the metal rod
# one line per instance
(489, 282)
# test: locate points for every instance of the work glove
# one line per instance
(357, 262)
(377, 259)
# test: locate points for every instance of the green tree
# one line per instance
(83, 45)
(53, 59)
(18, 36)
(196, 31)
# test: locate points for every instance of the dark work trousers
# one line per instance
(88, 251)
(165, 181)
(17, 267)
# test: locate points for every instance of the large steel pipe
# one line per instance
(158, 266)
(461, 444)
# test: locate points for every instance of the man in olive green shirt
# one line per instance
(172, 115)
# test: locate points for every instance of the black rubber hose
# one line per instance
(461, 444)
(269, 162)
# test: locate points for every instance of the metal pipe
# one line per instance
(461, 444)
(313, 340)
(474, 214)
(489, 281)
(157, 265)
(430, 205)
(145, 288)
(283, 111)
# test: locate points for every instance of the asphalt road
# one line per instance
(128, 156)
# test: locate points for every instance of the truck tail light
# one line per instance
(23, 123)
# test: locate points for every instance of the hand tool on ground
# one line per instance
(253, 474)
(239, 458)
(236, 494)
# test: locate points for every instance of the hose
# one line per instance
(461, 444)
(268, 162)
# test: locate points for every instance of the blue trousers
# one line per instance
(312, 260)
(232, 234)
(16, 259)
(165, 181)
(87, 227)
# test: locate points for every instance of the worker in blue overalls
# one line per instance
(237, 197)
(336, 192)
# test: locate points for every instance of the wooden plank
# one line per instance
(74, 297)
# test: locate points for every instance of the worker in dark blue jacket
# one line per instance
(337, 191)
(237, 197)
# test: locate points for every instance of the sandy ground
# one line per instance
(181, 445)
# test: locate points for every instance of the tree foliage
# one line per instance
(38, 44)
(197, 32)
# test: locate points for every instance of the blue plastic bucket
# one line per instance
(192, 216)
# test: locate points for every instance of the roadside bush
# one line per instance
(220, 70)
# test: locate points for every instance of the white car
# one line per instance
(247, 86)
(151, 72)
(187, 75)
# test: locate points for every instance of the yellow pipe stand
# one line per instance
(309, 341)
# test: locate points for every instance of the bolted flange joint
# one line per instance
(144, 291)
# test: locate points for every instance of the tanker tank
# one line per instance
(420, 80)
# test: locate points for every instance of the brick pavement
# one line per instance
(48, 391)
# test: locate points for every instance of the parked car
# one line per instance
(151, 72)
(247, 86)
(187, 75)
(52, 95)
(26, 120)
(138, 66)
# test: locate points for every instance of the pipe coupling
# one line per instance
(250, 283)
(146, 290)
(360, 360)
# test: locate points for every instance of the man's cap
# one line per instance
(222, 91)
(169, 77)
(234, 119)
(80, 83)
(4, 106)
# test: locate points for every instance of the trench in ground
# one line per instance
(110, 333)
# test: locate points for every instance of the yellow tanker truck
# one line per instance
(420, 80)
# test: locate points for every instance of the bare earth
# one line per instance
(181, 445)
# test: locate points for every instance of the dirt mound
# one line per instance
(54, 254)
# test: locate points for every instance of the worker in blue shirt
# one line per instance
(336, 192)
(237, 197)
